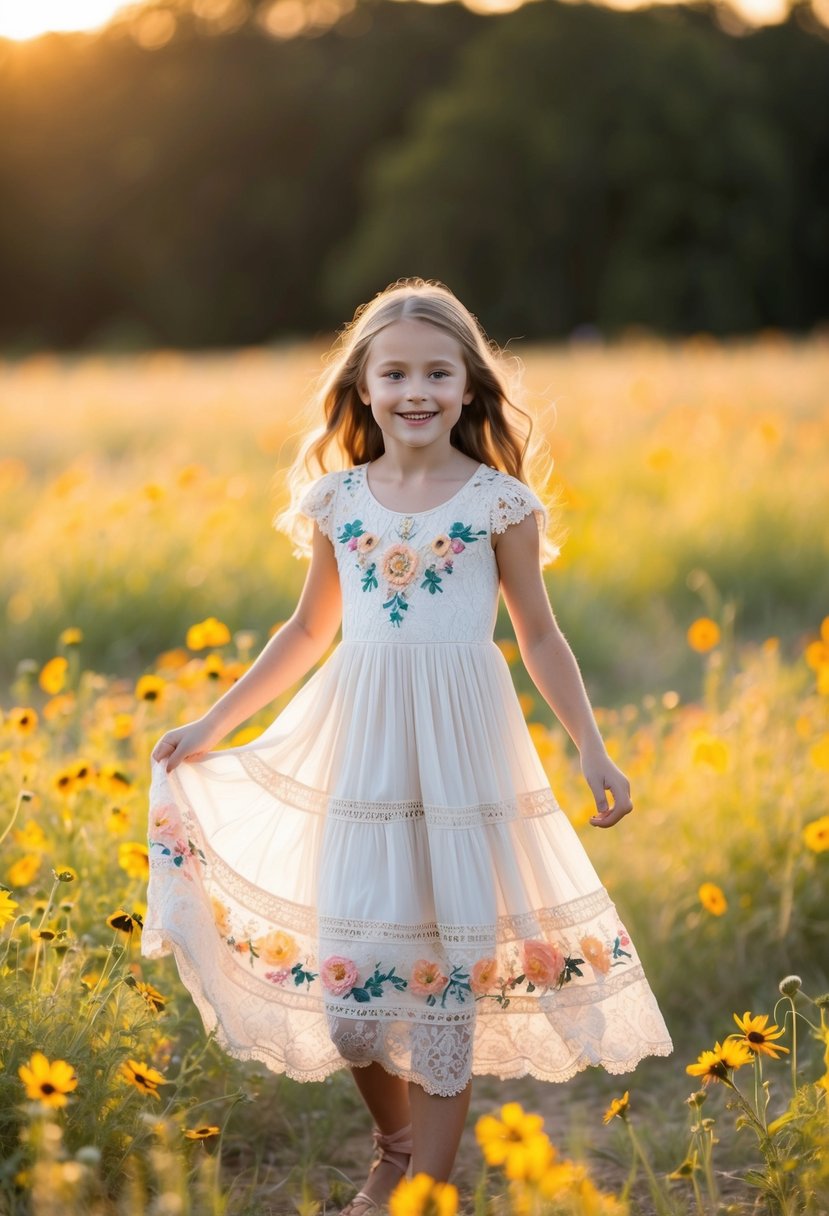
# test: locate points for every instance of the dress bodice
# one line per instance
(425, 576)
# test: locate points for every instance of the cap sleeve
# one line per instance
(318, 502)
(512, 500)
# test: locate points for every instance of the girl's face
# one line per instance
(416, 383)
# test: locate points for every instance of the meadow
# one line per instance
(135, 500)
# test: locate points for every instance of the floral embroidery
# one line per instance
(176, 850)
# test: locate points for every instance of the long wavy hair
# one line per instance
(491, 430)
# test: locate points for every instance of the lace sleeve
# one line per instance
(318, 503)
(512, 500)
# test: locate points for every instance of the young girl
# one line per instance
(383, 879)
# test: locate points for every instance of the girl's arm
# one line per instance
(286, 657)
(553, 667)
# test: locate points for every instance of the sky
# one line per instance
(25, 19)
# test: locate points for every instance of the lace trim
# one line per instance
(513, 500)
(318, 503)
(284, 788)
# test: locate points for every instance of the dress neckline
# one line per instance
(413, 514)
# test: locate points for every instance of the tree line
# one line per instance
(561, 166)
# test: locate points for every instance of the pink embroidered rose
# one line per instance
(277, 977)
(543, 963)
(624, 940)
(277, 948)
(457, 545)
(441, 544)
(596, 954)
(338, 974)
(482, 976)
(427, 979)
(367, 542)
(352, 544)
(400, 565)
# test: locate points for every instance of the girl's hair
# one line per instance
(492, 429)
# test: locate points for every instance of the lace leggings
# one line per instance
(436, 1056)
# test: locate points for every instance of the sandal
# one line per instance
(392, 1148)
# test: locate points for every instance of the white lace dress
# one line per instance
(385, 874)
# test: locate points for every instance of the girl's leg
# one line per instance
(437, 1125)
(387, 1098)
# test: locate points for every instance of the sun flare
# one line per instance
(35, 17)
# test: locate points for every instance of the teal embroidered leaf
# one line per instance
(432, 580)
(464, 532)
(369, 578)
(350, 531)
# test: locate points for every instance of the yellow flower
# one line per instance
(277, 948)
(715, 1065)
(111, 780)
(201, 1133)
(133, 857)
(757, 1036)
(710, 752)
(816, 834)
(151, 995)
(46, 1082)
(7, 906)
(143, 1077)
(618, 1108)
(53, 675)
(60, 706)
(213, 666)
(172, 660)
(149, 688)
(596, 954)
(123, 922)
(31, 836)
(703, 634)
(22, 719)
(712, 899)
(64, 781)
(65, 874)
(83, 773)
(71, 636)
(122, 725)
(22, 873)
(516, 1141)
(422, 1196)
(209, 632)
(441, 544)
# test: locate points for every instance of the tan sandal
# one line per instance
(395, 1148)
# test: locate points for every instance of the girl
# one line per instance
(383, 879)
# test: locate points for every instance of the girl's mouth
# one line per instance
(417, 419)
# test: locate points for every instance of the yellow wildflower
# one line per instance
(152, 996)
(133, 857)
(143, 1077)
(53, 675)
(717, 1064)
(618, 1108)
(60, 706)
(816, 834)
(7, 906)
(710, 752)
(22, 719)
(703, 634)
(123, 921)
(72, 636)
(111, 780)
(757, 1036)
(46, 1082)
(122, 725)
(422, 1196)
(149, 688)
(201, 1133)
(516, 1141)
(31, 836)
(209, 632)
(712, 899)
(22, 873)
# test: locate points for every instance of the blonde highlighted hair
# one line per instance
(491, 430)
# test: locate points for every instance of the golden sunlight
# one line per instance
(34, 17)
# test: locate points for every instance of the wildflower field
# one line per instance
(139, 574)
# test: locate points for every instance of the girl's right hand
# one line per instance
(189, 742)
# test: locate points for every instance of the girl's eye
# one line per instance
(440, 373)
(394, 373)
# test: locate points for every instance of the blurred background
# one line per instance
(201, 173)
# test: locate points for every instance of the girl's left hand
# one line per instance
(601, 774)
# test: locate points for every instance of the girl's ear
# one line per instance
(468, 395)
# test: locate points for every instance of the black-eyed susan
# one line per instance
(712, 899)
(47, 934)
(206, 1132)
(63, 782)
(757, 1036)
(47, 1081)
(71, 636)
(422, 1196)
(816, 834)
(7, 907)
(703, 634)
(213, 666)
(151, 995)
(150, 688)
(133, 857)
(23, 872)
(52, 676)
(516, 1142)
(22, 719)
(717, 1065)
(209, 632)
(687, 1169)
(618, 1108)
(143, 1077)
(124, 922)
(117, 821)
(31, 836)
(111, 780)
(122, 725)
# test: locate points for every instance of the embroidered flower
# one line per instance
(457, 545)
(427, 979)
(596, 954)
(483, 975)
(400, 564)
(367, 542)
(277, 977)
(440, 544)
(221, 915)
(338, 974)
(278, 948)
(543, 963)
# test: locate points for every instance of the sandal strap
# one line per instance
(398, 1142)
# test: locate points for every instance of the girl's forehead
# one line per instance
(413, 339)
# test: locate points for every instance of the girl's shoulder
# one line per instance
(510, 500)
